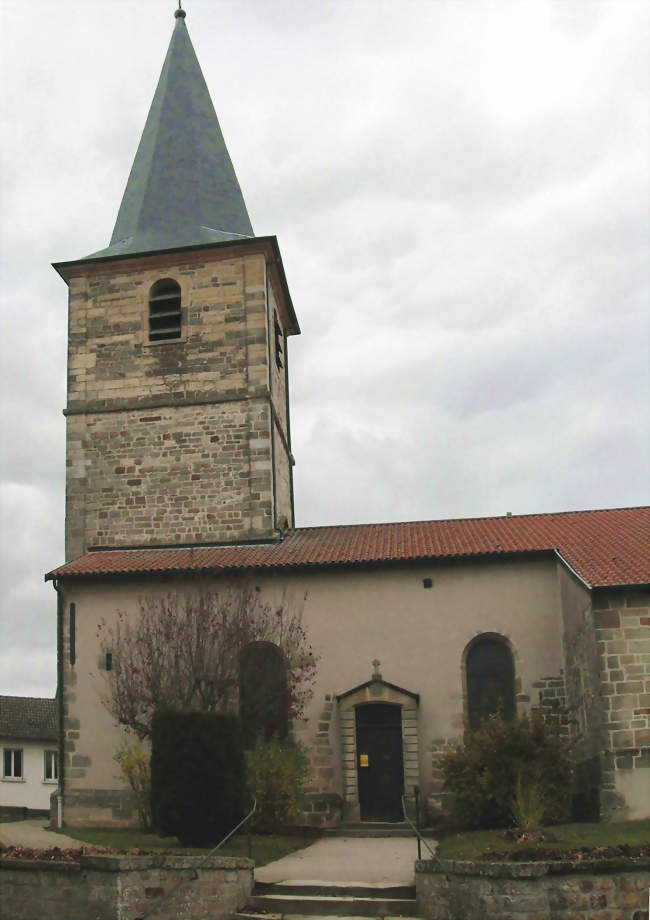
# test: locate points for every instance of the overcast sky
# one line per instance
(460, 193)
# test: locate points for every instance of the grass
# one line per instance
(265, 848)
(479, 844)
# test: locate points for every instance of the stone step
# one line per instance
(370, 829)
(384, 890)
(330, 906)
(249, 915)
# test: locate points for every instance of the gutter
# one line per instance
(570, 568)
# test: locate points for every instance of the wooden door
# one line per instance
(380, 764)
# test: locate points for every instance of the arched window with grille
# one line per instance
(490, 676)
(164, 311)
(263, 692)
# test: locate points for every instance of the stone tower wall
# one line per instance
(173, 442)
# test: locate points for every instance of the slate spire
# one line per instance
(182, 190)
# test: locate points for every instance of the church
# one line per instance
(179, 480)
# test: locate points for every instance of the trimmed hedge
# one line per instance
(198, 775)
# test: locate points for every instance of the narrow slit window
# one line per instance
(165, 311)
(73, 633)
(278, 343)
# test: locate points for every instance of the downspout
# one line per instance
(292, 522)
(59, 685)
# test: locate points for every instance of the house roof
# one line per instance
(28, 718)
(607, 548)
(182, 189)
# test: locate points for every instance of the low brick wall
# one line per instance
(580, 890)
(124, 888)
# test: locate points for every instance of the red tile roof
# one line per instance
(606, 548)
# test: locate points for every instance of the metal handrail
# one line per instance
(195, 869)
(416, 830)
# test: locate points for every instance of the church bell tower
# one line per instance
(177, 412)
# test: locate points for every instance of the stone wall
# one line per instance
(552, 704)
(587, 890)
(171, 442)
(125, 887)
(622, 629)
(583, 693)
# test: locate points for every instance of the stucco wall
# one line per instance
(351, 617)
(33, 791)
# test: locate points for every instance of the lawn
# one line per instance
(482, 844)
(265, 848)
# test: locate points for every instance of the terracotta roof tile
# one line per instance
(606, 548)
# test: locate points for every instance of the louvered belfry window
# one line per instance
(165, 311)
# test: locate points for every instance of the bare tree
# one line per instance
(184, 652)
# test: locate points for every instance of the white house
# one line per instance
(30, 757)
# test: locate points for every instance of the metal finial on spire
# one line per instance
(180, 12)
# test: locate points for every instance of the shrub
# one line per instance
(276, 771)
(197, 775)
(135, 769)
(519, 766)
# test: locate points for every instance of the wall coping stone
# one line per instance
(111, 863)
(535, 869)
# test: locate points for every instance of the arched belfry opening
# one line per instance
(379, 743)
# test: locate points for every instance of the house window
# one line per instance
(51, 766)
(12, 763)
(164, 311)
(263, 692)
(490, 681)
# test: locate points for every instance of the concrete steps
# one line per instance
(296, 900)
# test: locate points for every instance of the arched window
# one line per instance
(164, 310)
(490, 681)
(263, 693)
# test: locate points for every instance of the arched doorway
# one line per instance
(380, 716)
(380, 764)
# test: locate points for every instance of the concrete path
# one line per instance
(34, 833)
(380, 860)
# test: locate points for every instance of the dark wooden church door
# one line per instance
(380, 764)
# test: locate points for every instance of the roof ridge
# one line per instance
(488, 517)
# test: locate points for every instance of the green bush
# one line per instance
(520, 767)
(276, 771)
(197, 775)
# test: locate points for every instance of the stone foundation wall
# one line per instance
(107, 887)
(589, 890)
(97, 807)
